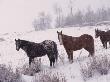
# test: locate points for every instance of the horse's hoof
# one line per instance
(89, 55)
(71, 61)
(53, 66)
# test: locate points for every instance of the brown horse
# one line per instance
(104, 37)
(76, 43)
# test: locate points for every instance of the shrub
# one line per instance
(2, 39)
(48, 76)
(100, 65)
(7, 74)
(62, 57)
(31, 70)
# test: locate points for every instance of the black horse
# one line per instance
(38, 49)
(104, 37)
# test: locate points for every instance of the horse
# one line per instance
(104, 37)
(33, 49)
(71, 44)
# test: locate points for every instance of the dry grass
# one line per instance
(49, 76)
(96, 65)
(7, 74)
(31, 70)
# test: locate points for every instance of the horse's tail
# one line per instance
(56, 52)
(57, 56)
(92, 48)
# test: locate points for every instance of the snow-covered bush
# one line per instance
(62, 57)
(2, 39)
(32, 69)
(7, 74)
(96, 65)
(49, 76)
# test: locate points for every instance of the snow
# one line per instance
(9, 55)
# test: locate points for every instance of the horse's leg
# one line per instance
(50, 59)
(86, 48)
(103, 43)
(109, 43)
(71, 52)
(50, 62)
(90, 50)
(106, 44)
(91, 53)
(53, 61)
(69, 56)
(30, 60)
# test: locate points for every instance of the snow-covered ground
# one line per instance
(9, 55)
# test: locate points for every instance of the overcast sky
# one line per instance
(17, 15)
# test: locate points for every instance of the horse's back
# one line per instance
(87, 40)
(86, 37)
(51, 48)
(36, 48)
(105, 36)
(50, 45)
(108, 33)
(88, 43)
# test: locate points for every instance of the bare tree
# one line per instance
(59, 16)
(71, 7)
(70, 18)
(78, 18)
(101, 15)
(89, 16)
(108, 14)
(42, 22)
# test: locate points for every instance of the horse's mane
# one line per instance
(24, 41)
(27, 42)
(69, 36)
(102, 33)
(64, 35)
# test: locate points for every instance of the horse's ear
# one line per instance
(18, 39)
(97, 29)
(61, 32)
(15, 39)
(57, 31)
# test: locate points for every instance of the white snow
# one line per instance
(9, 55)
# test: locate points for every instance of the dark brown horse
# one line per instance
(104, 36)
(76, 43)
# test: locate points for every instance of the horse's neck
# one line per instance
(24, 45)
(75, 38)
(103, 33)
(66, 38)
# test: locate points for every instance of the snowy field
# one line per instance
(9, 55)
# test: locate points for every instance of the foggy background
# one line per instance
(18, 15)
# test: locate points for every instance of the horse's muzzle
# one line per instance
(17, 48)
(95, 36)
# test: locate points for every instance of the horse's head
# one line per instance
(60, 37)
(97, 33)
(18, 44)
